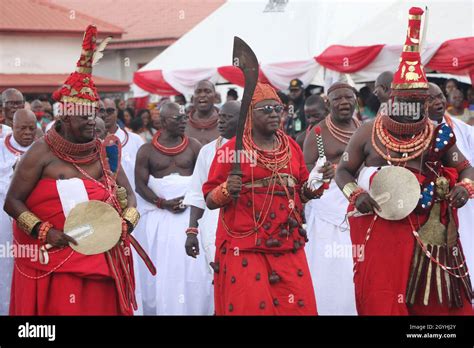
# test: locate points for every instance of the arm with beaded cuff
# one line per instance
(218, 197)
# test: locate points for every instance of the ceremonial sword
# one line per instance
(244, 59)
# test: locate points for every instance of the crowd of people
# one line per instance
(287, 226)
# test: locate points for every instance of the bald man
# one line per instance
(12, 100)
(162, 177)
(383, 86)
(202, 123)
(465, 142)
(12, 147)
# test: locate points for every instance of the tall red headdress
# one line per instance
(79, 88)
(410, 78)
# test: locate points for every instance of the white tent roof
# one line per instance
(305, 28)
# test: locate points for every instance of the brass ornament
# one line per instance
(95, 225)
(27, 221)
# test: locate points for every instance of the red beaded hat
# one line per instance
(79, 87)
(410, 78)
(264, 91)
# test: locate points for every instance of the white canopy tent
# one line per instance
(287, 40)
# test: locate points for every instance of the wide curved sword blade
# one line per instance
(243, 58)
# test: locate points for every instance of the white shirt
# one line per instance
(194, 195)
(464, 138)
(465, 142)
(129, 152)
(4, 130)
(7, 161)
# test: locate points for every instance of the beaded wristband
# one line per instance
(468, 185)
(43, 231)
(159, 202)
(192, 230)
(220, 195)
(355, 194)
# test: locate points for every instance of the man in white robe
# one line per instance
(201, 217)
(162, 177)
(12, 147)
(131, 142)
(329, 251)
(465, 142)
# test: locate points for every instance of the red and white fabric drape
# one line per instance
(364, 63)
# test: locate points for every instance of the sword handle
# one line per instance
(236, 171)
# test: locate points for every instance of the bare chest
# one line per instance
(203, 135)
(162, 164)
(60, 170)
(333, 147)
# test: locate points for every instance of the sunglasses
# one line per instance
(14, 103)
(109, 111)
(268, 109)
(179, 117)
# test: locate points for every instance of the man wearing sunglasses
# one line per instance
(162, 177)
(131, 142)
(12, 100)
(260, 265)
(331, 274)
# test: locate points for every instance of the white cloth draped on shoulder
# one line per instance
(183, 284)
(329, 253)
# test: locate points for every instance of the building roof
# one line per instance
(42, 16)
(48, 83)
(147, 23)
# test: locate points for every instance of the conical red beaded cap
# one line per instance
(410, 77)
(79, 87)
